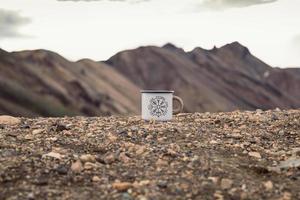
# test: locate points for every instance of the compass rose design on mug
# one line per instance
(158, 106)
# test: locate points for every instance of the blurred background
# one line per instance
(92, 57)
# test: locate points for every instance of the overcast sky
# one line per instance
(98, 29)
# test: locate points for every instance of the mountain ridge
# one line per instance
(219, 79)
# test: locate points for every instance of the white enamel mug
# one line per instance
(158, 105)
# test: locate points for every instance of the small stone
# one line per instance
(161, 162)
(286, 196)
(141, 197)
(9, 120)
(140, 149)
(42, 180)
(213, 179)
(295, 151)
(53, 139)
(37, 131)
(62, 169)
(232, 191)
(213, 142)
(281, 132)
(162, 184)
(77, 166)
(226, 183)
(60, 127)
(96, 179)
(109, 159)
(30, 196)
(244, 187)
(124, 158)
(122, 186)
(254, 154)
(171, 152)
(28, 137)
(68, 133)
(292, 162)
(112, 138)
(268, 185)
(89, 165)
(126, 196)
(53, 155)
(87, 158)
(144, 182)
(259, 111)
(218, 195)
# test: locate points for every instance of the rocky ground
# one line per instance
(237, 155)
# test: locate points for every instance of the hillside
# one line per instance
(43, 83)
(221, 79)
(40, 82)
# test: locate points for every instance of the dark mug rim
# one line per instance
(157, 91)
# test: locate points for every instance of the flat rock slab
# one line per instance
(235, 155)
(9, 120)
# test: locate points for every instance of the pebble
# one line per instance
(37, 131)
(254, 154)
(122, 186)
(77, 166)
(112, 138)
(53, 155)
(213, 179)
(89, 165)
(53, 139)
(28, 137)
(141, 197)
(171, 152)
(62, 169)
(60, 127)
(161, 162)
(268, 185)
(109, 159)
(9, 120)
(226, 183)
(286, 196)
(140, 149)
(126, 196)
(213, 142)
(218, 195)
(124, 158)
(87, 158)
(162, 184)
(292, 162)
(281, 132)
(30, 196)
(96, 179)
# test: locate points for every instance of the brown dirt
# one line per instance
(237, 155)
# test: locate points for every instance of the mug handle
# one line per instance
(180, 108)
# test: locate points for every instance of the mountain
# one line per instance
(221, 79)
(43, 83)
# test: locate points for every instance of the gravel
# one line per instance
(234, 155)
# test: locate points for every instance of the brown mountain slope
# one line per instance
(223, 79)
(44, 83)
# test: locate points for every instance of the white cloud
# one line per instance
(224, 4)
(131, 1)
(295, 43)
(10, 21)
